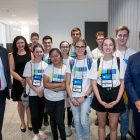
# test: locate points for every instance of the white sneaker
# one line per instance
(36, 137)
(68, 131)
(42, 135)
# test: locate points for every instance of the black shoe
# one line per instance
(23, 130)
(107, 137)
(46, 123)
(30, 128)
(123, 138)
(96, 122)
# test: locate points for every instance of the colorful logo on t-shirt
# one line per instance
(39, 71)
(107, 74)
(80, 69)
(57, 77)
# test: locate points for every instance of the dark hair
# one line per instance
(57, 50)
(113, 41)
(100, 33)
(34, 34)
(38, 45)
(75, 29)
(85, 43)
(15, 49)
(121, 28)
(65, 42)
(46, 37)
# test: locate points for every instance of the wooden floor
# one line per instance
(11, 126)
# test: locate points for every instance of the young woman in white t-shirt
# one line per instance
(54, 83)
(33, 72)
(79, 90)
(108, 86)
(64, 48)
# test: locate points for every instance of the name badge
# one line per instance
(106, 76)
(77, 85)
(37, 80)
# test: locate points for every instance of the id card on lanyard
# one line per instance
(77, 82)
(77, 85)
(37, 77)
(37, 80)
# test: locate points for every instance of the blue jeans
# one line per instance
(81, 119)
(124, 121)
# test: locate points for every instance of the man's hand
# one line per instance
(137, 104)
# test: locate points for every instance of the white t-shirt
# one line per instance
(79, 71)
(66, 61)
(125, 55)
(97, 53)
(73, 54)
(34, 69)
(46, 58)
(109, 72)
(58, 75)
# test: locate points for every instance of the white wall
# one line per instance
(58, 18)
(2, 35)
(24, 30)
(125, 12)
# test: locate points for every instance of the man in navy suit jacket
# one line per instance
(132, 85)
(5, 83)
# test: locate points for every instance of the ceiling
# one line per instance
(23, 12)
(19, 12)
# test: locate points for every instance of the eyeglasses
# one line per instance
(80, 47)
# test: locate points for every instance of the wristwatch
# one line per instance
(85, 96)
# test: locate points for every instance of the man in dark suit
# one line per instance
(5, 84)
(132, 85)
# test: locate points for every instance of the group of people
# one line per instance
(74, 78)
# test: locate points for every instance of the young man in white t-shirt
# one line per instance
(122, 35)
(47, 43)
(34, 40)
(97, 52)
(76, 35)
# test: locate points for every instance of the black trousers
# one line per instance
(56, 112)
(36, 105)
(69, 116)
(2, 109)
